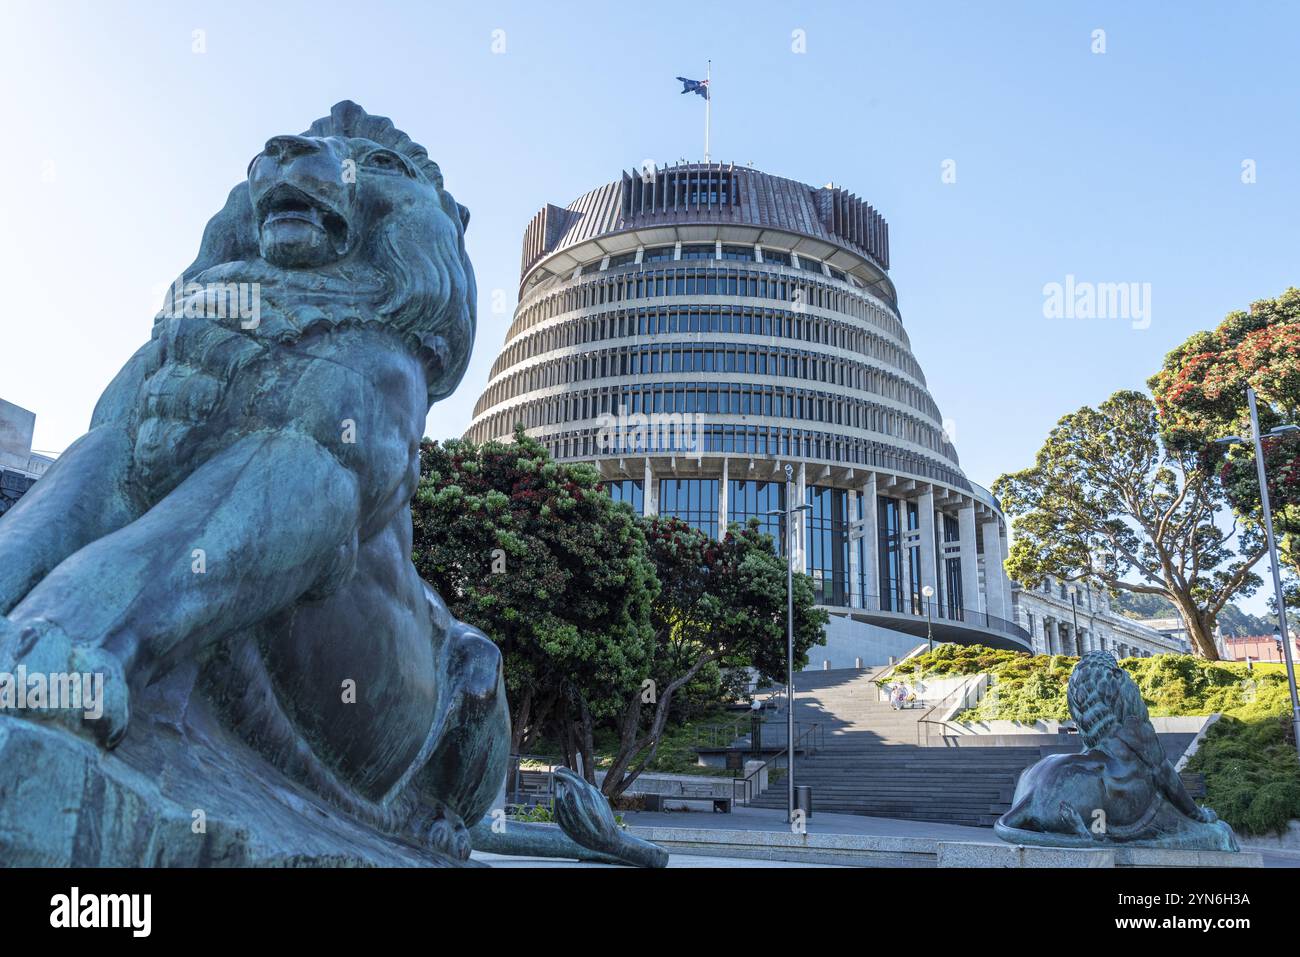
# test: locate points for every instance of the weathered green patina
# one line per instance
(229, 549)
(1121, 789)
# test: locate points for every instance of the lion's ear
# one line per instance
(464, 216)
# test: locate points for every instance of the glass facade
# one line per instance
(699, 251)
(889, 521)
(746, 500)
(827, 538)
(913, 549)
(694, 501)
(953, 605)
(628, 490)
(827, 534)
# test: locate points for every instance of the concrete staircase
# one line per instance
(870, 761)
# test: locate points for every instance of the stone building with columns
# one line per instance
(20, 467)
(723, 344)
(1067, 618)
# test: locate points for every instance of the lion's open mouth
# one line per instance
(286, 203)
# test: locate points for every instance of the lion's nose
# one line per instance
(288, 147)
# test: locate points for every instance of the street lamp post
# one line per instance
(1074, 612)
(1262, 475)
(788, 528)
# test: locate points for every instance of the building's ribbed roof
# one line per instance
(677, 195)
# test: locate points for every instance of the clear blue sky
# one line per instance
(1124, 166)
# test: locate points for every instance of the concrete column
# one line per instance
(722, 503)
(925, 523)
(649, 493)
(970, 571)
(871, 533)
(993, 573)
(855, 538)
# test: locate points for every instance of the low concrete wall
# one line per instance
(1288, 842)
(848, 640)
(671, 785)
(860, 850)
(1193, 724)
(849, 850)
(972, 854)
(930, 690)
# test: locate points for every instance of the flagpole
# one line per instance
(708, 103)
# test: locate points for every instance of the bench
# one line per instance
(719, 794)
(655, 802)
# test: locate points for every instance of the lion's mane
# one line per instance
(424, 290)
(1103, 697)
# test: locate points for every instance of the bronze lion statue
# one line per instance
(1121, 789)
(229, 545)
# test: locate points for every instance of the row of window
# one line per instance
(827, 538)
(732, 320)
(745, 500)
(652, 280)
(712, 398)
(654, 360)
(827, 541)
(712, 251)
(589, 443)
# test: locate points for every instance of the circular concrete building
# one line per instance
(700, 332)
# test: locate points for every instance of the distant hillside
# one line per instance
(1234, 622)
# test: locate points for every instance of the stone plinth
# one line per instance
(66, 803)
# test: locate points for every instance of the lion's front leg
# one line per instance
(465, 771)
(81, 498)
(245, 535)
(84, 495)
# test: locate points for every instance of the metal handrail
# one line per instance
(815, 731)
(945, 701)
(708, 735)
(552, 762)
(917, 607)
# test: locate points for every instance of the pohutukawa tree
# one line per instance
(721, 603)
(1201, 395)
(536, 555)
(1108, 502)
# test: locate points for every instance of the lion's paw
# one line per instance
(52, 678)
(443, 831)
(450, 837)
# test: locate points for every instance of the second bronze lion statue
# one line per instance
(1121, 789)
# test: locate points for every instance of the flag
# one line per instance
(695, 86)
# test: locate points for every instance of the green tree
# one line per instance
(1201, 395)
(721, 604)
(538, 557)
(1107, 501)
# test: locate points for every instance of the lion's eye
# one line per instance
(385, 162)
